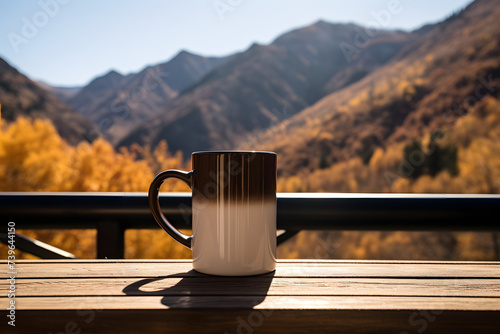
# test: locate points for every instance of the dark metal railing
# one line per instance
(113, 213)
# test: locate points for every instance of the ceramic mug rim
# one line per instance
(232, 152)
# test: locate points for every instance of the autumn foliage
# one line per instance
(463, 157)
(33, 157)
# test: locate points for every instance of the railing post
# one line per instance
(110, 240)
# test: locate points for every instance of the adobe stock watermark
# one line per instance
(85, 318)
(223, 7)
(11, 273)
(279, 116)
(253, 321)
(275, 125)
(325, 248)
(381, 19)
(421, 319)
(32, 25)
(486, 86)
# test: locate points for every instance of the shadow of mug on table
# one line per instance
(197, 290)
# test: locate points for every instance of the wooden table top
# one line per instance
(316, 296)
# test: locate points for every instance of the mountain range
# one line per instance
(432, 81)
(117, 103)
(262, 86)
(323, 92)
(20, 96)
(198, 103)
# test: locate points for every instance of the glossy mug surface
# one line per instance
(233, 210)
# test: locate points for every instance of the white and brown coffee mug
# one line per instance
(233, 211)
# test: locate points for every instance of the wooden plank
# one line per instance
(256, 302)
(302, 296)
(224, 286)
(254, 321)
(311, 261)
(284, 269)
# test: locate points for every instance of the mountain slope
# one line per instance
(116, 103)
(62, 93)
(20, 96)
(430, 83)
(98, 90)
(262, 86)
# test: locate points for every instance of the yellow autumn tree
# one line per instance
(33, 157)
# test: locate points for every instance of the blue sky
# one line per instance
(69, 42)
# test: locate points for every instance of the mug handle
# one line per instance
(154, 203)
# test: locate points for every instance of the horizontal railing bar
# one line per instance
(296, 211)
